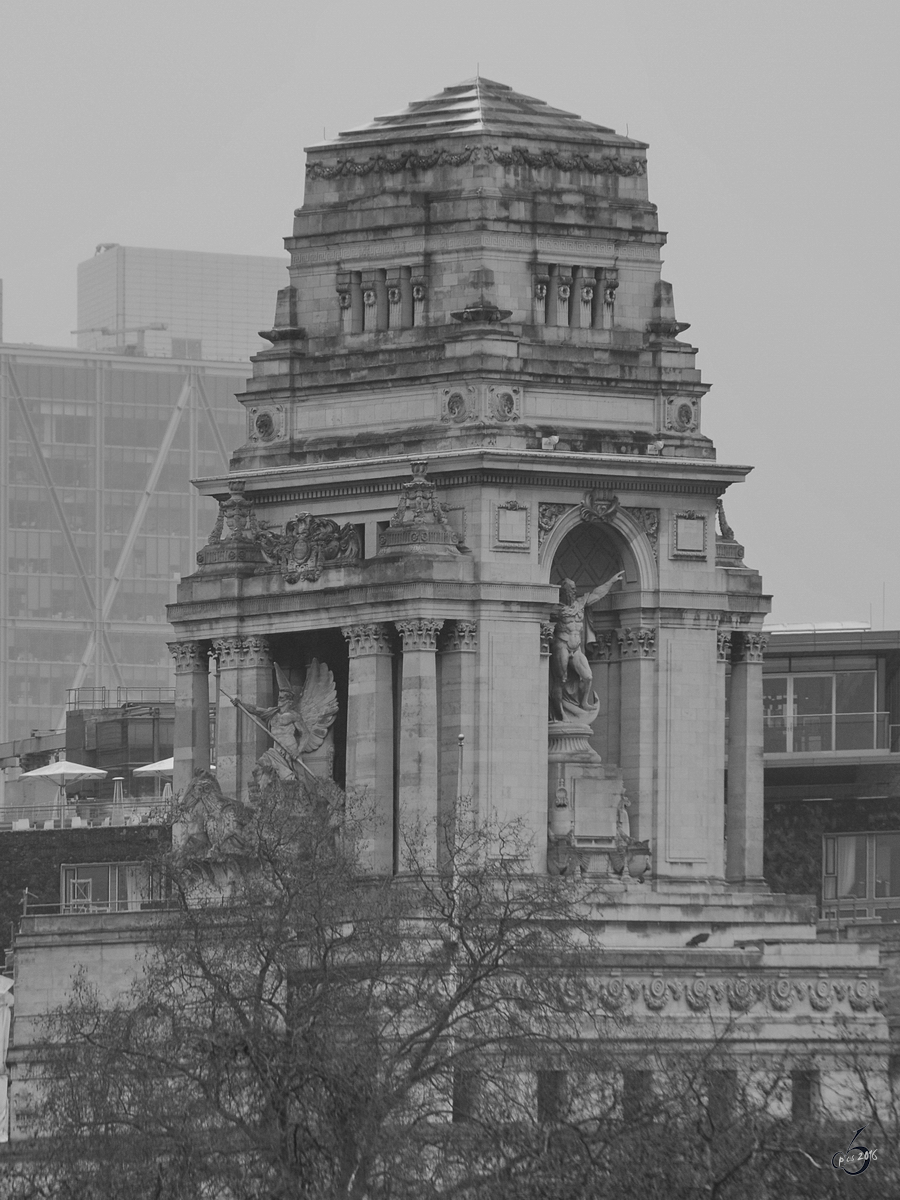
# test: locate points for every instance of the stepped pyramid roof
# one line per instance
(478, 106)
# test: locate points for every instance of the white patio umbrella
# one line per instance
(160, 770)
(63, 772)
(165, 766)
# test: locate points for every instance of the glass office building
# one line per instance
(177, 303)
(98, 517)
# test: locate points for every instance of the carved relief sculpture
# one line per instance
(598, 509)
(548, 515)
(308, 544)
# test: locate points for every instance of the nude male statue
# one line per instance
(567, 657)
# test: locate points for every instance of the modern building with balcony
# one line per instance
(831, 700)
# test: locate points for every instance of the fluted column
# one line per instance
(370, 740)
(191, 733)
(744, 814)
(418, 748)
(457, 678)
(245, 671)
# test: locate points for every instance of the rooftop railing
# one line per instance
(829, 733)
(97, 814)
(122, 697)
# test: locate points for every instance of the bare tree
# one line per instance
(302, 1030)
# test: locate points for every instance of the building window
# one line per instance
(861, 876)
(819, 714)
(551, 1096)
(804, 1098)
(108, 887)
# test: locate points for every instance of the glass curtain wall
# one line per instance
(98, 517)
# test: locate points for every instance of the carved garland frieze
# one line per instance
(383, 164)
(419, 634)
(366, 638)
(740, 994)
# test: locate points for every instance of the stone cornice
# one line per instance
(454, 468)
(579, 249)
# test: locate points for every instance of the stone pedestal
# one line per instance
(583, 797)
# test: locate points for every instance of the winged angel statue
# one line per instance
(298, 724)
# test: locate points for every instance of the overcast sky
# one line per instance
(773, 160)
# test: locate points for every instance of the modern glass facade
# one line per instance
(98, 517)
(211, 305)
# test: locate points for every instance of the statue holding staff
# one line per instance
(299, 722)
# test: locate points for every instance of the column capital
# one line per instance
(461, 635)
(637, 643)
(547, 628)
(419, 633)
(189, 657)
(723, 645)
(749, 647)
(242, 651)
(366, 638)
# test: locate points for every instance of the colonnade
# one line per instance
(401, 759)
(413, 689)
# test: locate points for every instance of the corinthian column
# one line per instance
(370, 740)
(245, 671)
(744, 813)
(191, 734)
(459, 656)
(418, 790)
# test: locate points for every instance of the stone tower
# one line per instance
(475, 391)
(475, 502)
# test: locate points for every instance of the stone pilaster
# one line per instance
(245, 672)
(744, 813)
(459, 656)
(370, 740)
(418, 748)
(191, 734)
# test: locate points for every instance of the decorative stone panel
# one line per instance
(688, 535)
(266, 423)
(511, 526)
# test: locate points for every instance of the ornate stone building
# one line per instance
(476, 393)
(475, 501)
